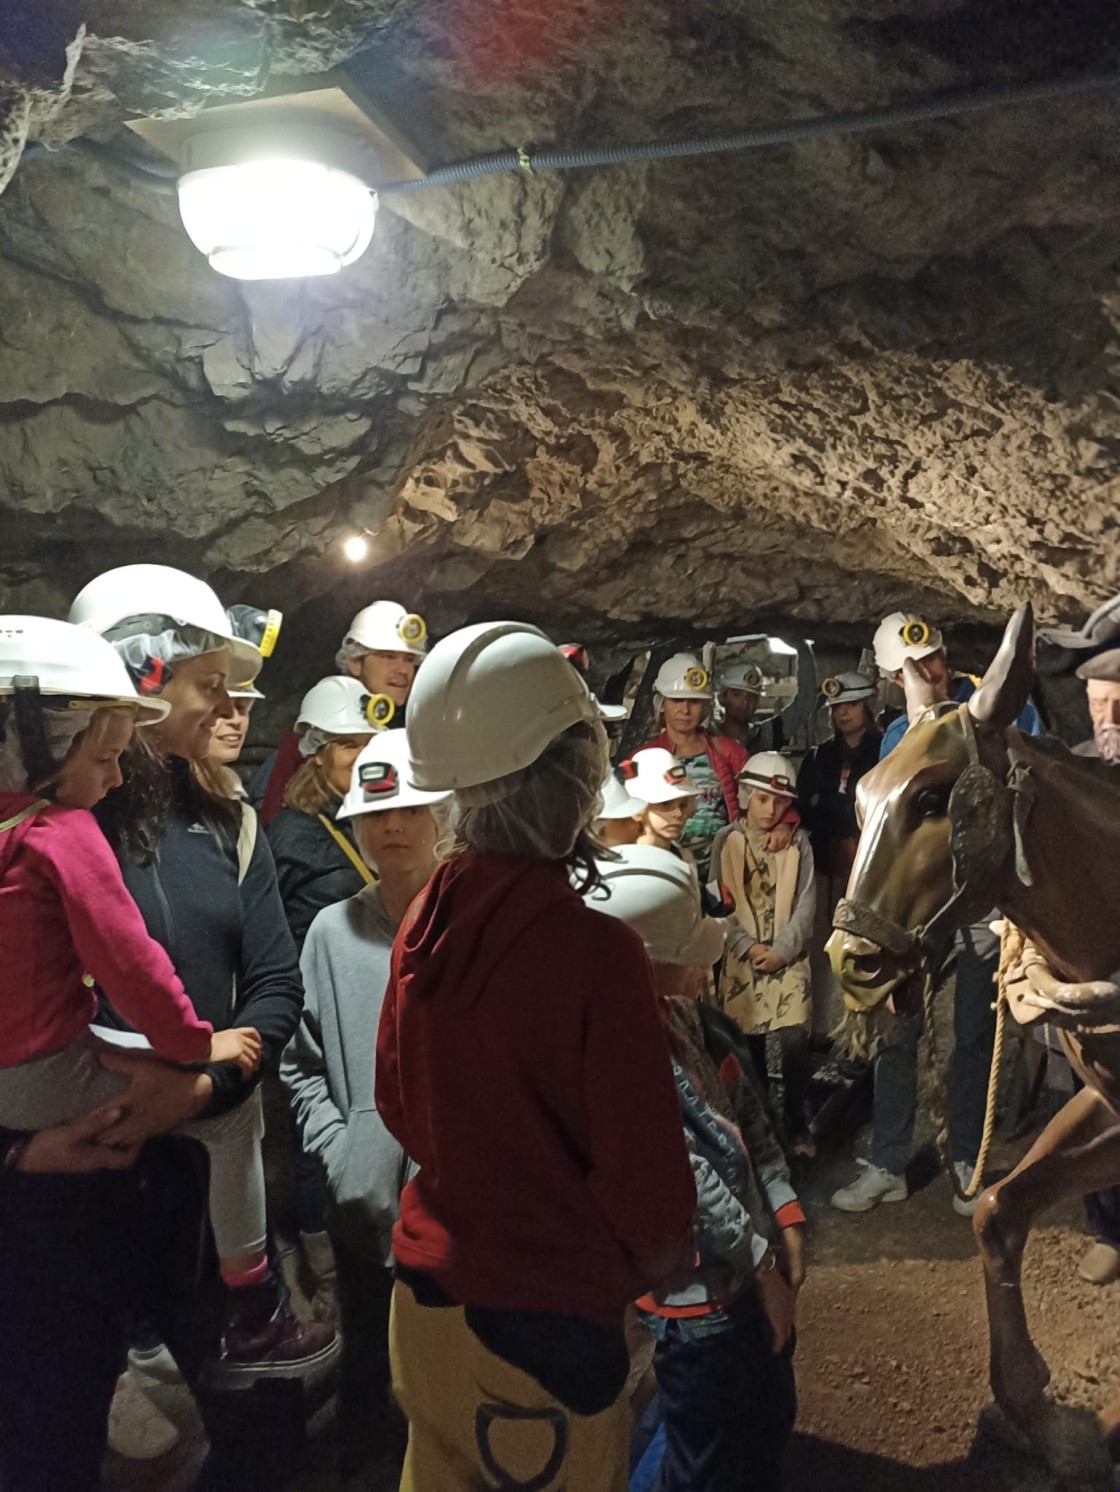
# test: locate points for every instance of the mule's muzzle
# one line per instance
(867, 973)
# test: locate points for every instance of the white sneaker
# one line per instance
(138, 1430)
(1101, 1265)
(872, 1186)
(964, 1206)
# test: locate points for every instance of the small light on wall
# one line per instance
(356, 548)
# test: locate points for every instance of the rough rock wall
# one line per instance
(799, 385)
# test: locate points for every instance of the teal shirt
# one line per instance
(710, 815)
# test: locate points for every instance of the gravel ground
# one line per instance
(891, 1359)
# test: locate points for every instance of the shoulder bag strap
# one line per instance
(246, 840)
(348, 850)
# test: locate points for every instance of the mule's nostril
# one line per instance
(865, 967)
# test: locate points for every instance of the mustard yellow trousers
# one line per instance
(478, 1424)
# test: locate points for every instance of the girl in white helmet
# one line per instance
(317, 865)
(521, 1065)
(683, 696)
(317, 860)
(665, 796)
(328, 1070)
(617, 823)
(765, 982)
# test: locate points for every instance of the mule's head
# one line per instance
(892, 926)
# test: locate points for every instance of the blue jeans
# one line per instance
(1103, 1211)
(896, 1066)
(729, 1401)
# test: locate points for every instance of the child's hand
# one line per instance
(241, 1045)
(779, 838)
(764, 959)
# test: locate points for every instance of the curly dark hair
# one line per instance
(132, 816)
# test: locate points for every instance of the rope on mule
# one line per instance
(1010, 952)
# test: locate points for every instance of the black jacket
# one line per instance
(229, 943)
(312, 870)
(827, 810)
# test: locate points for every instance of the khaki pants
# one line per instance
(476, 1422)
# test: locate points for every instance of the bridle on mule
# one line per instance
(986, 819)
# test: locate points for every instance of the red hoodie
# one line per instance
(64, 912)
(522, 1065)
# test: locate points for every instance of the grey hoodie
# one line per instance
(328, 1067)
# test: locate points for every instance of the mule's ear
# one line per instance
(920, 694)
(1004, 688)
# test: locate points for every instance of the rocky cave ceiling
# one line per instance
(798, 386)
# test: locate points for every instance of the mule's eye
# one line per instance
(933, 802)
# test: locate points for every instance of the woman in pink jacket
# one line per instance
(67, 712)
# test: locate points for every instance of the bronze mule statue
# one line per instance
(966, 814)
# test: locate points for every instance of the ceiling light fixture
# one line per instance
(283, 187)
(273, 205)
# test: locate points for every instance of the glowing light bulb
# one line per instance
(277, 219)
(356, 548)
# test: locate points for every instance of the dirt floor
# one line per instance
(891, 1354)
(891, 1359)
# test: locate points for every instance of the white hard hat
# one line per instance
(249, 692)
(486, 703)
(379, 779)
(847, 688)
(746, 676)
(770, 771)
(612, 714)
(656, 776)
(657, 894)
(338, 706)
(616, 801)
(69, 662)
(683, 676)
(903, 635)
(151, 591)
(385, 627)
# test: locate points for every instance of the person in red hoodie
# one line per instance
(521, 1065)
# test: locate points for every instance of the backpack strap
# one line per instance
(29, 812)
(348, 850)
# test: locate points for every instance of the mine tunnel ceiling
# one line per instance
(798, 386)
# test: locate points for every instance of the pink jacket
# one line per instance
(64, 913)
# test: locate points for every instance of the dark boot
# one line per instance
(319, 1254)
(263, 1338)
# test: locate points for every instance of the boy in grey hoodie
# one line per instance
(328, 1069)
(724, 1325)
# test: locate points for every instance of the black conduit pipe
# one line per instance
(939, 106)
(160, 176)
